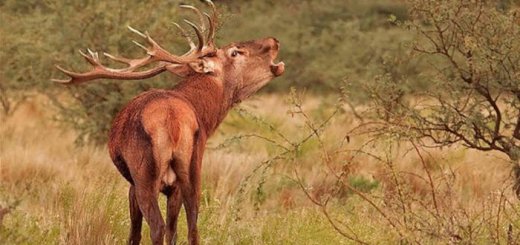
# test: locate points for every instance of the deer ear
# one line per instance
(203, 66)
(184, 70)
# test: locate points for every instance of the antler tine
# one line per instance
(76, 78)
(132, 63)
(211, 32)
(136, 32)
(212, 25)
(156, 52)
(213, 22)
(90, 59)
(93, 54)
(117, 58)
(143, 35)
(71, 74)
(138, 44)
(62, 81)
(199, 14)
(213, 7)
(199, 35)
(185, 35)
(160, 54)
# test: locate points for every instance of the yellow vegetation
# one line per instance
(59, 193)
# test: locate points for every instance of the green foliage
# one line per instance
(362, 184)
(321, 43)
(37, 35)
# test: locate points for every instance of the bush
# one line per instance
(474, 98)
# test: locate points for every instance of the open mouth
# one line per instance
(277, 68)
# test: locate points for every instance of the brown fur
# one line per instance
(157, 141)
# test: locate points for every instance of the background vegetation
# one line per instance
(370, 145)
(320, 41)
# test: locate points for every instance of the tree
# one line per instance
(474, 94)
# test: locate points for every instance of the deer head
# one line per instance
(246, 67)
(242, 68)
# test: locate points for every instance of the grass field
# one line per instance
(58, 193)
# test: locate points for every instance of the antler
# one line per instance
(212, 21)
(155, 54)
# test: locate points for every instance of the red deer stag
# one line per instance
(157, 140)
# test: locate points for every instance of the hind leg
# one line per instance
(147, 201)
(190, 184)
(150, 181)
(136, 218)
(172, 214)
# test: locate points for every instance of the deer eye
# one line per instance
(234, 53)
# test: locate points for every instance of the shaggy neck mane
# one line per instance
(209, 98)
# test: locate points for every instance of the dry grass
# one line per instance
(58, 193)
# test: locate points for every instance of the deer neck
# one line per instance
(209, 99)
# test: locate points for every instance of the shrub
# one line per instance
(475, 84)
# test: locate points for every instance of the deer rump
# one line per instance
(154, 137)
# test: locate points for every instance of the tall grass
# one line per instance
(59, 193)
